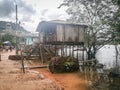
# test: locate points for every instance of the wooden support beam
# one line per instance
(88, 61)
(35, 67)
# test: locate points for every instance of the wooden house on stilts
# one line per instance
(61, 35)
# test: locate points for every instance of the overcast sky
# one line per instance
(31, 12)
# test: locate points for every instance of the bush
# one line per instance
(63, 64)
(14, 57)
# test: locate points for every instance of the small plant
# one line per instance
(63, 64)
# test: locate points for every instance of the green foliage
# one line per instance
(7, 37)
(13, 26)
(115, 23)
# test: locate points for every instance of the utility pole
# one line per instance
(22, 58)
(16, 28)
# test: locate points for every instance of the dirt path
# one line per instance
(69, 81)
(11, 77)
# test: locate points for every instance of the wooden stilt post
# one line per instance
(61, 51)
(0, 56)
(22, 59)
(73, 51)
(83, 58)
(66, 50)
(55, 50)
(41, 54)
(77, 52)
(69, 51)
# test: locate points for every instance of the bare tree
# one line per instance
(96, 14)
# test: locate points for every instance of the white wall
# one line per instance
(106, 55)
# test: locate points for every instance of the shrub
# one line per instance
(14, 57)
(63, 64)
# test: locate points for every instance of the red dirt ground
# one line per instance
(69, 81)
(9, 70)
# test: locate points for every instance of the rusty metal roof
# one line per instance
(58, 22)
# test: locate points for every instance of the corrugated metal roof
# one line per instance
(65, 22)
(58, 22)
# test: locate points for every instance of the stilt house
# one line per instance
(62, 38)
(59, 33)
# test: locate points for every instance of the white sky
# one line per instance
(45, 10)
(31, 12)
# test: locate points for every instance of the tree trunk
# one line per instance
(94, 52)
(89, 52)
(116, 63)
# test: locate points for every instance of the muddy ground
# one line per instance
(12, 78)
